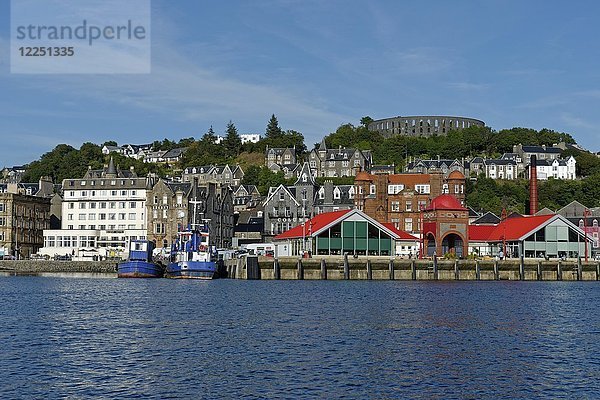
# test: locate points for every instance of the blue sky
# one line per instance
(316, 65)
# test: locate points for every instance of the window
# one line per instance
(132, 216)
(82, 217)
(82, 206)
(2, 221)
(122, 204)
(395, 206)
(408, 224)
(70, 217)
(1, 207)
(103, 216)
(132, 204)
(103, 205)
(71, 206)
(426, 189)
(395, 189)
(121, 216)
(372, 189)
(165, 199)
(281, 196)
(92, 217)
(408, 205)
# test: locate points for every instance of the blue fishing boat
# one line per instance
(139, 262)
(192, 256)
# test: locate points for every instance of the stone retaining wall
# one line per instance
(35, 266)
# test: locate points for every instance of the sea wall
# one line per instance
(38, 266)
(384, 268)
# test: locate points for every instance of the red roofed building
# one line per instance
(345, 232)
(531, 236)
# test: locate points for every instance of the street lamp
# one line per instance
(586, 214)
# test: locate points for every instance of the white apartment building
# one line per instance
(101, 214)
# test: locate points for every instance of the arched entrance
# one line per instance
(430, 244)
(453, 244)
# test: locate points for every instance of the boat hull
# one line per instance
(192, 270)
(139, 269)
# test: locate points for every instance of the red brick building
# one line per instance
(399, 198)
(446, 223)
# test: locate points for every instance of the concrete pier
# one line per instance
(386, 268)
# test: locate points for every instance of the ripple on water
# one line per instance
(108, 338)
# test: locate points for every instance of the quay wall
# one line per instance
(384, 268)
(38, 266)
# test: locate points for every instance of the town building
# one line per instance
(586, 219)
(101, 213)
(250, 137)
(537, 236)
(446, 227)
(400, 198)
(288, 206)
(171, 205)
(419, 166)
(246, 197)
(342, 232)
(225, 175)
(556, 168)
(338, 162)
(23, 218)
(280, 156)
(12, 174)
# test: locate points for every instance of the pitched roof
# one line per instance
(515, 228)
(403, 235)
(316, 223)
(540, 149)
(480, 233)
(487, 218)
(323, 221)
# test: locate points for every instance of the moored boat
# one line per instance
(139, 262)
(192, 256)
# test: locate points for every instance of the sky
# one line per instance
(317, 65)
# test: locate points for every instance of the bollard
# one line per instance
(276, 269)
(391, 269)
(496, 272)
(323, 270)
(579, 269)
(435, 268)
(413, 267)
(369, 270)
(346, 267)
(539, 271)
(598, 271)
(477, 271)
(559, 272)
(300, 269)
(522, 268)
(456, 274)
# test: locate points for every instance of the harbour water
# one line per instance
(94, 337)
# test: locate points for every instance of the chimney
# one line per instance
(328, 191)
(533, 189)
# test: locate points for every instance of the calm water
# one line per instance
(109, 338)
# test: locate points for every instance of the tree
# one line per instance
(273, 130)
(109, 143)
(232, 142)
(365, 121)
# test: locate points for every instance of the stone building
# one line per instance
(419, 166)
(281, 156)
(171, 206)
(23, 219)
(225, 175)
(399, 198)
(246, 197)
(422, 125)
(338, 162)
(288, 206)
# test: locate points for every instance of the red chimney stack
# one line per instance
(533, 189)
